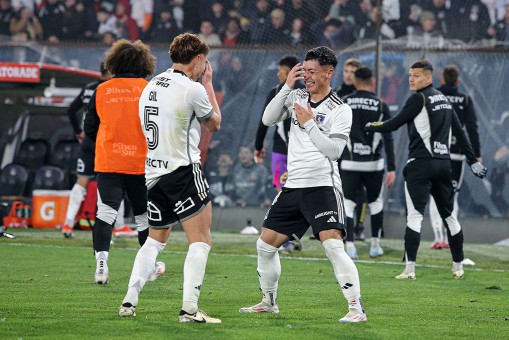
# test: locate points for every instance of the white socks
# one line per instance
(269, 270)
(375, 242)
(144, 265)
(75, 198)
(194, 271)
(345, 271)
(410, 267)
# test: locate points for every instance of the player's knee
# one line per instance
(106, 213)
(349, 208)
(264, 248)
(453, 225)
(414, 221)
(141, 221)
(376, 206)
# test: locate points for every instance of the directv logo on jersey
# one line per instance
(361, 149)
(436, 98)
(440, 148)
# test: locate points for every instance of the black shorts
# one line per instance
(177, 196)
(85, 163)
(353, 180)
(293, 211)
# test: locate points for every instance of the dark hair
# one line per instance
(288, 60)
(451, 73)
(363, 73)
(323, 54)
(103, 69)
(424, 64)
(185, 47)
(130, 57)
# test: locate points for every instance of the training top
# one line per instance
(464, 107)
(80, 101)
(112, 122)
(172, 106)
(314, 147)
(363, 151)
(280, 139)
(430, 120)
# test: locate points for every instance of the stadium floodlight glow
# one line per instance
(53, 91)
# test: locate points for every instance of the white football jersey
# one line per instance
(171, 108)
(307, 166)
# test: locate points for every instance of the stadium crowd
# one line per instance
(226, 23)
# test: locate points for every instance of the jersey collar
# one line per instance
(315, 105)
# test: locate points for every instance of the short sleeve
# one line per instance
(199, 101)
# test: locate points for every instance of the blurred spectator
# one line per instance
(249, 180)
(142, 12)
(331, 34)
(344, 10)
(217, 16)
(471, 20)
(363, 17)
(276, 33)
(126, 27)
(439, 9)
(411, 21)
(25, 26)
(178, 12)
(6, 15)
(368, 31)
(236, 79)
(219, 180)
(208, 35)
(259, 21)
(107, 24)
(108, 38)
(391, 82)
(299, 9)
(76, 22)
(234, 35)
(497, 179)
(51, 16)
(165, 28)
(500, 31)
(426, 34)
(298, 33)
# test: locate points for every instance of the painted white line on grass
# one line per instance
(300, 258)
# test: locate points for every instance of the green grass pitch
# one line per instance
(47, 291)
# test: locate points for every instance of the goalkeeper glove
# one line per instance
(478, 169)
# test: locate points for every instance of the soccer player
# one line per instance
(312, 194)
(172, 107)
(347, 88)
(112, 121)
(430, 117)
(465, 110)
(280, 139)
(85, 163)
(362, 164)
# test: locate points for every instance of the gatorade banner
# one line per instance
(15, 72)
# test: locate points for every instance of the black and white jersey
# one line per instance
(465, 110)
(307, 165)
(363, 151)
(81, 101)
(171, 107)
(430, 120)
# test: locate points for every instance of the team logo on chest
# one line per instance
(319, 118)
